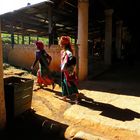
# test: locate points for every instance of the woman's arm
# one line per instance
(64, 60)
(36, 59)
(32, 67)
(49, 58)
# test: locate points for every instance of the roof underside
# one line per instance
(33, 19)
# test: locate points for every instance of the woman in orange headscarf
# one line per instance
(44, 77)
(69, 79)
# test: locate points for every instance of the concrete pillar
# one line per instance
(83, 38)
(2, 100)
(108, 36)
(118, 38)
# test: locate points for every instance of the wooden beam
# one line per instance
(2, 99)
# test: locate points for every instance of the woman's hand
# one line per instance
(32, 67)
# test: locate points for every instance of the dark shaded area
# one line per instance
(108, 110)
(126, 10)
(121, 79)
(22, 121)
(32, 126)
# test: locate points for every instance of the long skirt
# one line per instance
(44, 77)
(68, 90)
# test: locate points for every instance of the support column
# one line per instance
(2, 100)
(124, 33)
(118, 38)
(22, 39)
(108, 36)
(83, 38)
(29, 39)
(12, 39)
(17, 39)
(50, 24)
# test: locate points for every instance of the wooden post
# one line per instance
(2, 100)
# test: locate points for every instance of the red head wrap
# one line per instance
(64, 40)
(40, 45)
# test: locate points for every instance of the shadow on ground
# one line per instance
(32, 126)
(108, 110)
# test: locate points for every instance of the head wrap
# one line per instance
(64, 40)
(40, 45)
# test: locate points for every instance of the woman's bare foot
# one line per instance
(77, 98)
(64, 98)
(53, 86)
(76, 102)
(40, 85)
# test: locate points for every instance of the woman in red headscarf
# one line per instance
(43, 74)
(69, 79)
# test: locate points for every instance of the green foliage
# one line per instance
(18, 39)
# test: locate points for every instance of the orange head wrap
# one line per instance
(40, 45)
(64, 40)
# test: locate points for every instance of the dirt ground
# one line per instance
(108, 110)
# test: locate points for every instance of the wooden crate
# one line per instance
(18, 95)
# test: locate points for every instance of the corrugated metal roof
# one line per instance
(65, 13)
